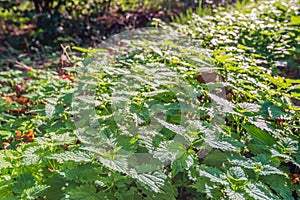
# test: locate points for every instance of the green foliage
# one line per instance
(243, 147)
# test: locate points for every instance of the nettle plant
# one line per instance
(154, 116)
(241, 143)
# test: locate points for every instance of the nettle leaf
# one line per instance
(289, 145)
(265, 159)
(287, 158)
(201, 184)
(61, 139)
(213, 192)
(117, 162)
(217, 143)
(154, 181)
(5, 189)
(280, 184)
(260, 164)
(34, 192)
(84, 192)
(264, 125)
(269, 110)
(215, 158)
(56, 183)
(168, 191)
(211, 189)
(260, 136)
(234, 195)
(33, 155)
(79, 156)
(215, 175)
(237, 175)
(80, 174)
(169, 151)
(184, 162)
(276, 112)
(227, 106)
(258, 167)
(131, 193)
(249, 107)
(5, 159)
(259, 191)
(23, 182)
(50, 110)
(172, 127)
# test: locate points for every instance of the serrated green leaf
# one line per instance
(234, 195)
(215, 175)
(4, 159)
(280, 184)
(237, 174)
(33, 192)
(184, 162)
(79, 156)
(215, 158)
(32, 155)
(276, 112)
(56, 184)
(260, 136)
(259, 192)
(80, 174)
(154, 181)
(85, 192)
(50, 110)
(23, 182)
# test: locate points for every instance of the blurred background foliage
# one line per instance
(30, 24)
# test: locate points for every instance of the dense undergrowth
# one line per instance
(32, 31)
(29, 25)
(172, 122)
